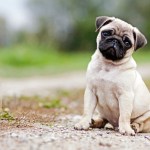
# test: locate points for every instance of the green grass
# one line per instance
(29, 60)
(56, 103)
(6, 116)
(142, 56)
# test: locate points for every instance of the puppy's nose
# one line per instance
(115, 41)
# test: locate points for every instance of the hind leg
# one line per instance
(142, 124)
(98, 122)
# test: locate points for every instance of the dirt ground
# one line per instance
(40, 113)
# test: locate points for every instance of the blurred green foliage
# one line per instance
(70, 25)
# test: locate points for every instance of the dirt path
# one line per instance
(46, 85)
(42, 85)
(60, 135)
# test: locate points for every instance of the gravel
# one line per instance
(62, 136)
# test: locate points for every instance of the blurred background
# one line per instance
(45, 47)
(44, 37)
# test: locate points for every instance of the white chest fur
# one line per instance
(108, 82)
(106, 88)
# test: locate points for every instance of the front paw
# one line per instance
(82, 125)
(126, 130)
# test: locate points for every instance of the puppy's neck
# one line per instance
(125, 63)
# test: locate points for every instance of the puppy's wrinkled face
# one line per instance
(116, 38)
(115, 41)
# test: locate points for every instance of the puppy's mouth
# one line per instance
(112, 49)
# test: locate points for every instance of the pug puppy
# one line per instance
(114, 87)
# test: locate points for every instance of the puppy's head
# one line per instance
(117, 39)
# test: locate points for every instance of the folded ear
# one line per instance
(139, 38)
(103, 20)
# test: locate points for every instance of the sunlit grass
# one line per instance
(147, 82)
(142, 56)
(28, 60)
(28, 56)
(5, 115)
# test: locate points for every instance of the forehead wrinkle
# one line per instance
(120, 28)
(117, 28)
(122, 31)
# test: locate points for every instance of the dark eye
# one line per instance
(106, 33)
(127, 42)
